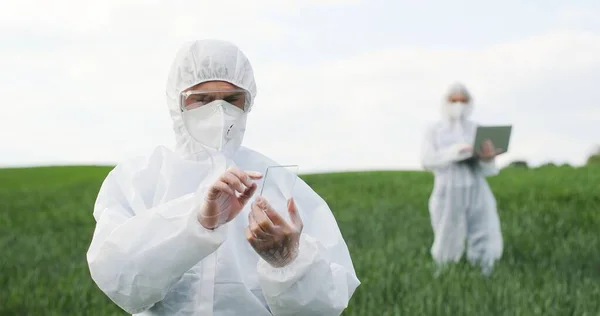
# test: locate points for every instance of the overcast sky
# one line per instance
(342, 85)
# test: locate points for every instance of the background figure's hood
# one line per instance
(201, 61)
(454, 89)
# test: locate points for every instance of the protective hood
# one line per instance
(201, 61)
(457, 88)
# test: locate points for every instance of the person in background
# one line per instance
(182, 232)
(462, 205)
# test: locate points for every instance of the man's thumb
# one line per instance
(294, 214)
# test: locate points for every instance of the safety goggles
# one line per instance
(193, 99)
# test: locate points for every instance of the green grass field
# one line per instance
(550, 221)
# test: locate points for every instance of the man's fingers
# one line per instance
(491, 147)
(275, 218)
(241, 175)
(486, 145)
(250, 237)
(255, 228)
(245, 177)
(254, 175)
(233, 181)
(294, 214)
(261, 219)
(248, 193)
(217, 188)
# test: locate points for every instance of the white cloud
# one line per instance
(379, 103)
(89, 86)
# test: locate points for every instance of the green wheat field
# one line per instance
(550, 221)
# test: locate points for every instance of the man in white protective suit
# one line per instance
(461, 205)
(182, 232)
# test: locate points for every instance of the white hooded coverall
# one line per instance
(151, 256)
(461, 205)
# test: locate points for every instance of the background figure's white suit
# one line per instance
(151, 256)
(461, 205)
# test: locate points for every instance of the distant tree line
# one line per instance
(593, 159)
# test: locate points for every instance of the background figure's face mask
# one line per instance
(456, 106)
(455, 110)
(215, 117)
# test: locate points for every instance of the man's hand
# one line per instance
(227, 197)
(461, 151)
(465, 149)
(274, 239)
(489, 151)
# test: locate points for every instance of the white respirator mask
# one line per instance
(214, 124)
(455, 110)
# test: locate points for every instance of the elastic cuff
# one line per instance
(219, 233)
(276, 280)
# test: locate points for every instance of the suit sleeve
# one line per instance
(136, 258)
(433, 157)
(321, 280)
